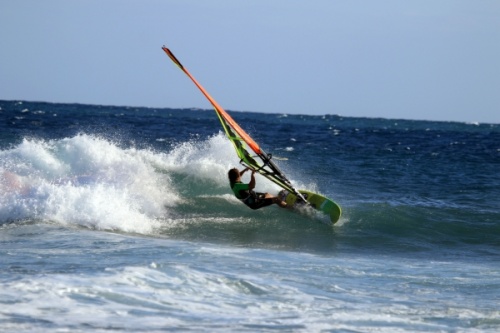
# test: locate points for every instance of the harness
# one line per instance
(250, 198)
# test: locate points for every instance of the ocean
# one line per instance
(116, 218)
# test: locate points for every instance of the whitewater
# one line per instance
(121, 218)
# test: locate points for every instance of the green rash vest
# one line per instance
(238, 187)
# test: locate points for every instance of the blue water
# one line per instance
(121, 219)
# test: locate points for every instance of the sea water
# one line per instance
(121, 219)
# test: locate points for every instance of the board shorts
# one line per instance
(258, 200)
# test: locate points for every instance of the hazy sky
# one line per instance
(425, 59)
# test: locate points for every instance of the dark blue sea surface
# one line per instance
(121, 218)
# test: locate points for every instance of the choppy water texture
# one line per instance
(121, 218)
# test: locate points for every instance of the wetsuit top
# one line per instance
(241, 190)
(250, 198)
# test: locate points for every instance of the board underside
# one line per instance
(317, 201)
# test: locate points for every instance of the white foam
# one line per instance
(207, 160)
(85, 181)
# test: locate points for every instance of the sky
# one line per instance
(412, 59)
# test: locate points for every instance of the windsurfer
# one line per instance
(245, 193)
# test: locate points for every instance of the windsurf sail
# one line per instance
(248, 150)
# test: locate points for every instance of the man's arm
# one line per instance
(251, 185)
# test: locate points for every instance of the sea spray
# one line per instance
(84, 181)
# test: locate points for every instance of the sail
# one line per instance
(244, 145)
